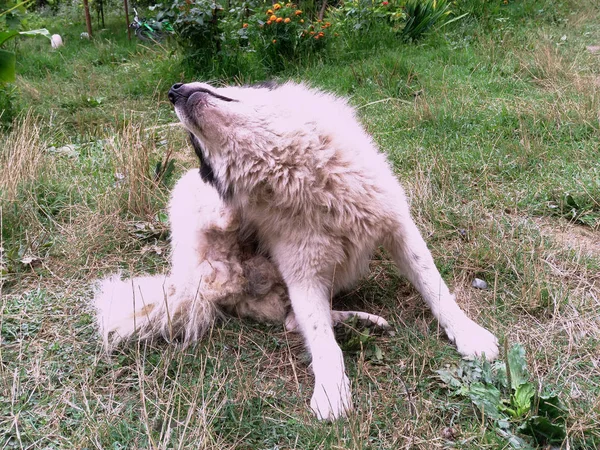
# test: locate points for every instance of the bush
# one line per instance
(282, 33)
(197, 26)
(253, 38)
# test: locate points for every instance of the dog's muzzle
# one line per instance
(177, 91)
(180, 90)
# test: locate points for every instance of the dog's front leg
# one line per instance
(415, 261)
(331, 398)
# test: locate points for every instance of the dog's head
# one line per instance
(249, 136)
(213, 114)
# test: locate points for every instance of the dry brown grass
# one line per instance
(21, 156)
(132, 152)
(571, 77)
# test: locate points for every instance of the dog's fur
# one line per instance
(306, 177)
(213, 271)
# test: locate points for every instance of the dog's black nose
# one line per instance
(175, 92)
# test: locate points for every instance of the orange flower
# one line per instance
(279, 20)
(269, 22)
(274, 41)
(245, 25)
(287, 20)
(273, 18)
(269, 12)
(298, 12)
(276, 6)
(301, 20)
(321, 34)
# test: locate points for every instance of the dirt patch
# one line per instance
(571, 235)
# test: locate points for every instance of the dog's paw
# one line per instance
(473, 340)
(332, 399)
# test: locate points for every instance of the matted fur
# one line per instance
(210, 273)
(310, 182)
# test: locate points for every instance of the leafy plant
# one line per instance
(8, 59)
(8, 30)
(9, 19)
(506, 396)
(196, 25)
(422, 15)
(579, 208)
(355, 338)
(362, 15)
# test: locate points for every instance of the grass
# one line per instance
(493, 129)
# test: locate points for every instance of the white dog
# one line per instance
(213, 271)
(306, 178)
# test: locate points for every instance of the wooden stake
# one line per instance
(88, 20)
(127, 19)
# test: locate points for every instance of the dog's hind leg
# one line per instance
(415, 261)
(363, 317)
(338, 317)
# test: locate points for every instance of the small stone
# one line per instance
(449, 433)
(479, 284)
(593, 48)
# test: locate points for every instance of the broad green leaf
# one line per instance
(39, 32)
(6, 35)
(486, 398)
(522, 398)
(448, 376)
(543, 430)
(7, 66)
(517, 366)
(550, 407)
(377, 353)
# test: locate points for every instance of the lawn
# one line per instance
(492, 124)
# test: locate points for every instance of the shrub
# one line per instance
(197, 26)
(282, 33)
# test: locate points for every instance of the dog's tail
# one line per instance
(149, 307)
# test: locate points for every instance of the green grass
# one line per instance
(492, 126)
